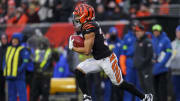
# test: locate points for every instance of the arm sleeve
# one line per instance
(25, 55)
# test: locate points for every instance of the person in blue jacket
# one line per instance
(61, 68)
(114, 42)
(163, 50)
(126, 62)
(15, 61)
(115, 45)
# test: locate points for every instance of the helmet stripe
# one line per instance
(82, 8)
(80, 11)
(90, 10)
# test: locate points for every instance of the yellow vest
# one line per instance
(45, 59)
(12, 60)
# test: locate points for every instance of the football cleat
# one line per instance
(87, 98)
(148, 97)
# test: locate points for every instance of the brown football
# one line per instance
(78, 41)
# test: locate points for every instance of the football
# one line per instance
(78, 41)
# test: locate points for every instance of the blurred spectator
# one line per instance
(4, 4)
(43, 11)
(132, 11)
(143, 11)
(24, 6)
(20, 17)
(143, 59)
(164, 7)
(175, 64)
(61, 68)
(162, 53)
(57, 10)
(118, 14)
(129, 71)
(63, 10)
(15, 62)
(115, 12)
(100, 13)
(43, 59)
(10, 14)
(110, 9)
(3, 47)
(33, 14)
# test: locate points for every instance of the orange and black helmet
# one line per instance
(85, 12)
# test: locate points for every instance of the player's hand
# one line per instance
(71, 43)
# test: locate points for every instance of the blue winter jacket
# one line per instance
(161, 44)
(128, 47)
(116, 46)
(24, 56)
(129, 42)
(61, 68)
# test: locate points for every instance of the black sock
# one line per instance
(132, 89)
(81, 80)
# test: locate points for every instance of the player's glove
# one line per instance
(71, 43)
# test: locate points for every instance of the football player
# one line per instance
(103, 58)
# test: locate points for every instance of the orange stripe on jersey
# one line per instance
(117, 74)
(112, 57)
(115, 68)
(113, 65)
(80, 8)
(90, 11)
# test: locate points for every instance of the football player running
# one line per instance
(103, 58)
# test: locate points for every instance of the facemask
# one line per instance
(76, 24)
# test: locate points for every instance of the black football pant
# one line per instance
(2, 87)
(40, 86)
(146, 80)
(160, 87)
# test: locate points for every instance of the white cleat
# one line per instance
(87, 98)
(148, 97)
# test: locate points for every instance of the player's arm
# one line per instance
(88, 44)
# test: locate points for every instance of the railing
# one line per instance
(170, 10)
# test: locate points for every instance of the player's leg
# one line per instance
(112, 69)
(88, 66)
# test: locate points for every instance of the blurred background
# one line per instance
(47, 24)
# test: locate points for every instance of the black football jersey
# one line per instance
(99, 50)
